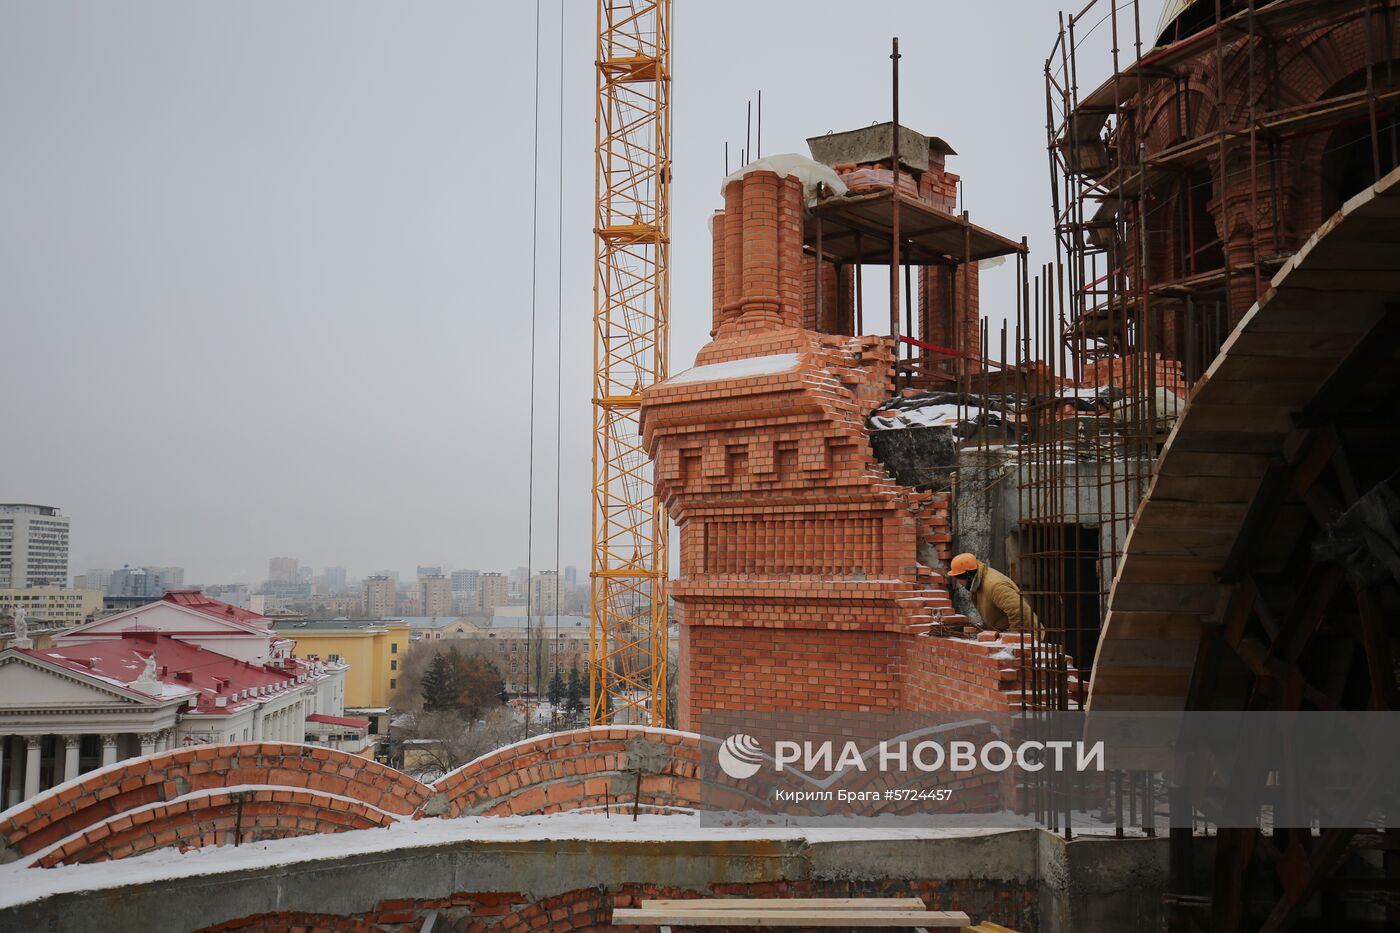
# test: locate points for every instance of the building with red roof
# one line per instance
(184, 670)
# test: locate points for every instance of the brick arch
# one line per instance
(188, 796)
(589, 769)
(294, 922)
(218, 818)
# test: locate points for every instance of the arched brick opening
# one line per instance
(588, 769)
(303, 788)
(293, 922)
(219, 818)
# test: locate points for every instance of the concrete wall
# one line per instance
(989, 502)
(1028, 880)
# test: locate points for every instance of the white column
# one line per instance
(148, 744)
(15, 780)
(162, 740)
(31, 765)
(71, 747)
(109, 750)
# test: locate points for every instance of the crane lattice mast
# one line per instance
(627, 648)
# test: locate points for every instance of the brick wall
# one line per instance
(1286, 195)
(212, 794)
(800, 585)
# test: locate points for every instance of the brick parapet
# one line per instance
(184, 786)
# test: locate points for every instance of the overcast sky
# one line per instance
(265, 266)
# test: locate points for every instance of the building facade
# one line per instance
(545, 591)
(464, 586)
(372, 648)
(434, 595)
(184, 670)
(493, 590)
(145, 582)
(33, 546)
(377, 596)
(527, 658)
(51, 606)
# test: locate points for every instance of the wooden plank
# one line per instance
(1226, 442)
(1163, 568)
(1172, 598)
(1189, 463)
(1198, 542)
(1174, 488)
(1113, 703)
(1153, 624)
(1143, 681)
(1141, 652)
(1272, 369)
(940, 919)
(784, 903)
(1202, 415)
(1169, 514)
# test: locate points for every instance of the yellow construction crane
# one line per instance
(631, 291)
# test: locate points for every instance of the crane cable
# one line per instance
(534, 267)
(559, 360)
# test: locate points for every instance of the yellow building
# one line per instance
(374, 650)
(52, 606)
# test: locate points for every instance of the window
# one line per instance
(393, 665)
(393, 647)
(333, 657)
(393, 683)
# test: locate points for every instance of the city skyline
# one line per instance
(311, 230)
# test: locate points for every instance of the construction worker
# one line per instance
(997, 597)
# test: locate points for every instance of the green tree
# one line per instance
(440, 686)
(477, 683)
(557, 691)
(574, 704)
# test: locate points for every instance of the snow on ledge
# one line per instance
(21, 884)
(737, 369)
(808, 171)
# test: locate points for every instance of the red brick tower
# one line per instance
(800, 585)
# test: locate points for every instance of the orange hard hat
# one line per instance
(963, 563)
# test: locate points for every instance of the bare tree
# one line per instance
(435, 743)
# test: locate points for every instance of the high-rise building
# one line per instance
(544, 593)
(571, 575)
(518, 581)
(491, 591)
(429, 571)
(464, 582)
(377, 593)
(172, 577)
(333, 581)
(434, 595)
(95, 580)
(235, 594)
(145, 582)
(33, 546)
(283, 570)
